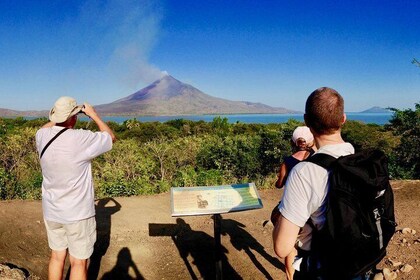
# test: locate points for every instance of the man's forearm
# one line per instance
(91, 113)
(103, 126)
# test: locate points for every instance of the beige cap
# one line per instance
(302, 132)
(64, 108)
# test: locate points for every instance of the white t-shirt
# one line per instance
(67, 185)
(305, 191)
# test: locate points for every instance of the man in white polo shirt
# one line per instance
(67, 185)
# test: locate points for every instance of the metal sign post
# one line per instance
(218, 246)
(215, 200)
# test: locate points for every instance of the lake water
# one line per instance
(376, 118)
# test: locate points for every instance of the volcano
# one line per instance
(169, 96)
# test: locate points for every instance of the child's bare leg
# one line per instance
(288, 262)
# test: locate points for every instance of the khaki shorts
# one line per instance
(79, 237)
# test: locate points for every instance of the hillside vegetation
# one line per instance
(151, 157)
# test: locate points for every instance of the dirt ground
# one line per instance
(138, 239)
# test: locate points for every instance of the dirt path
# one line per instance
(138, 239)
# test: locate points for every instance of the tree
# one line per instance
(406, 125)
(369, 136)
(125, 170)
(160, 149)
(221, 126)
(416, 62)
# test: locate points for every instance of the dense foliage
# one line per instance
(151, 157)
(405, 159)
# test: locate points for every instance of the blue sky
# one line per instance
(273, 52)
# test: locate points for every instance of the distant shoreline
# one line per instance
(374, 118)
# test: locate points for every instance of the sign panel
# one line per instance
(214, 199)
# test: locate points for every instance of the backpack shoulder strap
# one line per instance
(52, 140)
(326, 161)
(322, 160)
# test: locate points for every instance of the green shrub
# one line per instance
(236, 154)
(185, 176)
(124, 171)
(6, 183)
(151, 157)
(212, 177)
(19, 160)
(273, 148)
(405, 158)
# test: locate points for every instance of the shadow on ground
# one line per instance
(201, 248)
(105, 208)
(122, 267)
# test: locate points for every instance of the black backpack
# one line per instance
(360, 217)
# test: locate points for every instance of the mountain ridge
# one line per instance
(16, 113)
(376, 109)
(169, 96)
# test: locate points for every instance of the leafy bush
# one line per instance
(405, 124)
(151, 157)
(272, 149)
(124, 171)
(185, 176)
(212, 177)
(19, 163)
(6, 183)
(236, 154)
(369, 136)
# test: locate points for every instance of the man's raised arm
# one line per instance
(91, 113)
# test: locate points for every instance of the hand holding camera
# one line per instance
(88, 110)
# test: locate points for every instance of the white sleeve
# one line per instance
(95, 143)
(295, 205)
(38, 141)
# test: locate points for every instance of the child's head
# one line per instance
(302, 138)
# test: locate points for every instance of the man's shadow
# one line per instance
(199, 246)
(121, 269)
(242, 240)
(105, 208)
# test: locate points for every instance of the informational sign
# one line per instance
(187, 201)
